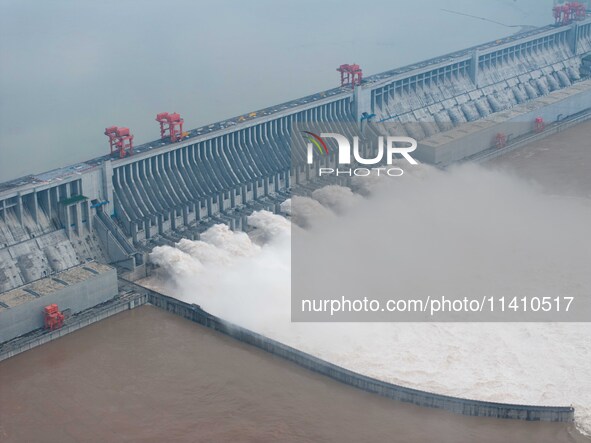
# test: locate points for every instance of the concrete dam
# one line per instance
(115, 210)
(60, 229)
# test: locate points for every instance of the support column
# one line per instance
(209, 206)
(172, 218)
(361, 102)
(65, 219)
(134, 231)
(233, 198)
(88, 213)
(107, 179)
(160, 224)
(244, 194)
(54, 206)
(198, 210)
(19, 208)
(78, 212)
(474, 67)
(573, 38)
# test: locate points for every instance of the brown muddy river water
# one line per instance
(146, 375)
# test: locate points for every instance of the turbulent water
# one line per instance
(248, 283)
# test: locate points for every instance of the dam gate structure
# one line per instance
(59, 228)
(115, 210)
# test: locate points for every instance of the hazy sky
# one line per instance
(69, 68)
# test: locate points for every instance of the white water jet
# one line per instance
(527, 363)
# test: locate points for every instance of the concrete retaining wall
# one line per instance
(400, 393)
(77, 297)
(395, 392)
(72, 324)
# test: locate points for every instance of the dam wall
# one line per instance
(74, 290)
(116, 210)
(72, 324)
(475, 137)
(472, 84)
(396, 392)
(178, 187)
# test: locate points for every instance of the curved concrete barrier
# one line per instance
(396, 392)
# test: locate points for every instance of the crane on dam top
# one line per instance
(568, 12)
(350, 75)
(171, 125)
(120, 140)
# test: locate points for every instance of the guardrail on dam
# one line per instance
(115, 210)
(141, 295)
(400, 393)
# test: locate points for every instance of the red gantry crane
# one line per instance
(120, 140)
(568, 12)
(52, 317)
(501, 140)
(350, 75)
(171, 125)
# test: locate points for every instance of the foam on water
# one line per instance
(528, 363)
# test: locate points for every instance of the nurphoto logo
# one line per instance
(386, 150)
